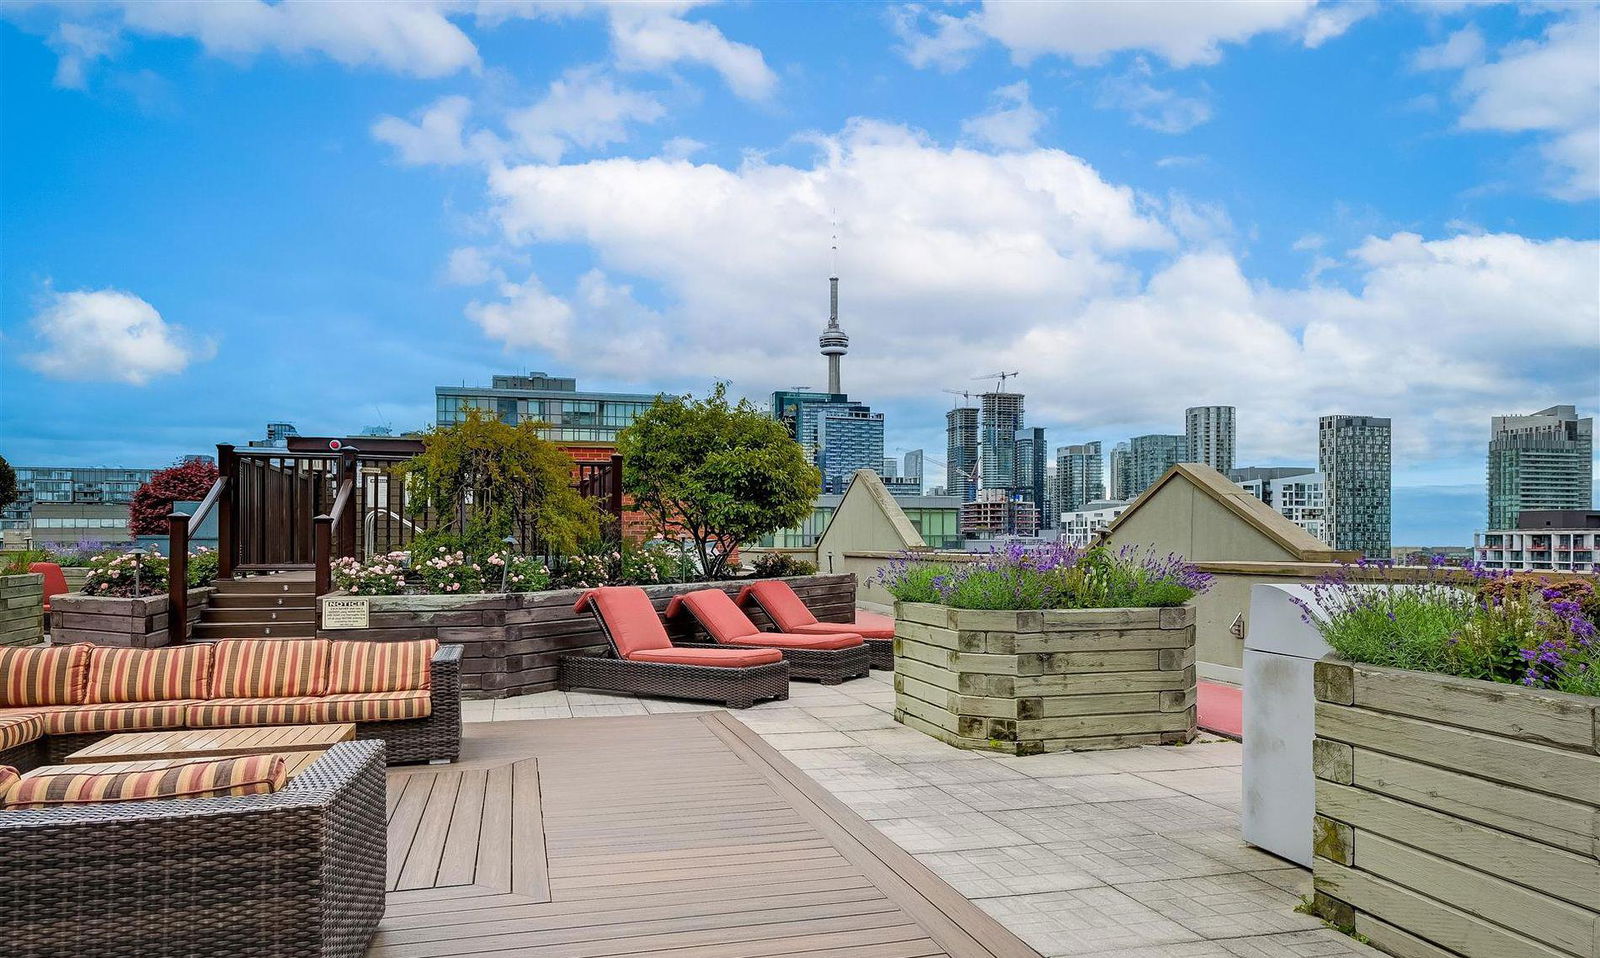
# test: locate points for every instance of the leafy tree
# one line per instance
(8, 483)
(495, 479)
(185, 482)
(720, 473)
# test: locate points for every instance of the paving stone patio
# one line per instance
(1131, 853)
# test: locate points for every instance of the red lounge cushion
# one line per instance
(875, 621)
(780, 603)
(55, 581)
(717, 614)
(721, 658)
(629, 618)
(858, 627)
(784, 640)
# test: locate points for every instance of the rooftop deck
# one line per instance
(818, 826)
(681, 834)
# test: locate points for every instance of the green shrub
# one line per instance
(16, 563)
(775, 565)
(1052, 577)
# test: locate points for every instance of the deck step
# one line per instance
(267, 585)
(251, 630)
(263, 616)
(262, 600)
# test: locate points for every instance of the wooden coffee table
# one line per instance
(211, 742)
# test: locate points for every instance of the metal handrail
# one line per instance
(369, 527)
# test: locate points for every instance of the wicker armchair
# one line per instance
(295, 874)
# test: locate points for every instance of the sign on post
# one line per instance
(345, 612)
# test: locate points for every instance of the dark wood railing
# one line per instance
(182, 527)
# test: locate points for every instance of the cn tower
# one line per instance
(833, 341)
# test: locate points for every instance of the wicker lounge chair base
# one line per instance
(737, 688)
(298, 873)
(828, 666)
(882, 651)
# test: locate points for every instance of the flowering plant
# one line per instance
(1055, 576)
(380, 575)
(518, 573)
(113, 575)
(447, 572)
(1523, 628)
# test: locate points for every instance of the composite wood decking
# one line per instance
(682, 836)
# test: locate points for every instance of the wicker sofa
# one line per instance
(298, 873)
(56, 700)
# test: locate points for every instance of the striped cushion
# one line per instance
(116, 717)
(311, 710)
(50, 675)
(149, 675)
(202, 778)
(269, 668)
(381, 666)
(20, 729)
(8, 777)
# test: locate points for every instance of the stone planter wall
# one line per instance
(512, 643)
(1457, 817)
(141, 623)
(22, 609)
(1030, 682)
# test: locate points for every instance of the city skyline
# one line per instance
(1172, 214)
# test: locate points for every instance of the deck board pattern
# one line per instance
(683, 836)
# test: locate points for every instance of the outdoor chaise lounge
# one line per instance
(55, 700)
(257, 867)
(647, 663)
(829, 657)
(790, 614)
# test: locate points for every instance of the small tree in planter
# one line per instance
(490, 479)
(185, 482)
(1039, 650)
(719, 473)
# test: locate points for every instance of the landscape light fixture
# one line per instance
(138, 563)
(510, 542)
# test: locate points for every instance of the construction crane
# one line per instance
(1000, 376)
(965, 394)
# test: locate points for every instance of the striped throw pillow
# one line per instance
(8, 777)
(269, 668)
(149, 675)
(381, 666)
(202, 778)
(53, 675)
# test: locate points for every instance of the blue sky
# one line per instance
(217, 215)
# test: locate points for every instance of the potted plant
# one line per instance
(1458, 792)
(1048, 649)
(21, 599)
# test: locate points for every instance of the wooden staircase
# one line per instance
(277, 606)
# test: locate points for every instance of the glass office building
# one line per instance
(838, 435)
(569, 416)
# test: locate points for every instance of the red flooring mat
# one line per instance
(1221, 709)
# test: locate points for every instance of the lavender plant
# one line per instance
(1055, 576)
(1495, 626)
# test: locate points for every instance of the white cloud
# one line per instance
(438, 136)
(526, 315)
(1011, 122)
(584, 109)
(1149, 106)
(644, 37)
(1548, 86)
(1330, 20)
(1181, 32)
(471, 266)
(109, 336)
(681, 148)
(956, 261)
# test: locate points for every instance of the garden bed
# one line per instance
(142, 623)
(1457, 816)
(1032, 681)
(512, 642)
(22, 609)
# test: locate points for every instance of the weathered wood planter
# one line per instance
(512, 643)
(76, 576)
(1030, 682)
(22, 609)
(1457, 817)
(142, 623)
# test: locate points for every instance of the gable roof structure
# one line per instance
(893, 531)
(1270, 524)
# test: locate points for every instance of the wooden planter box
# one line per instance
(22, 609)
(1457, 817)
(513, 643)
(1031, 682)
(141, 623)
(76, 575)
